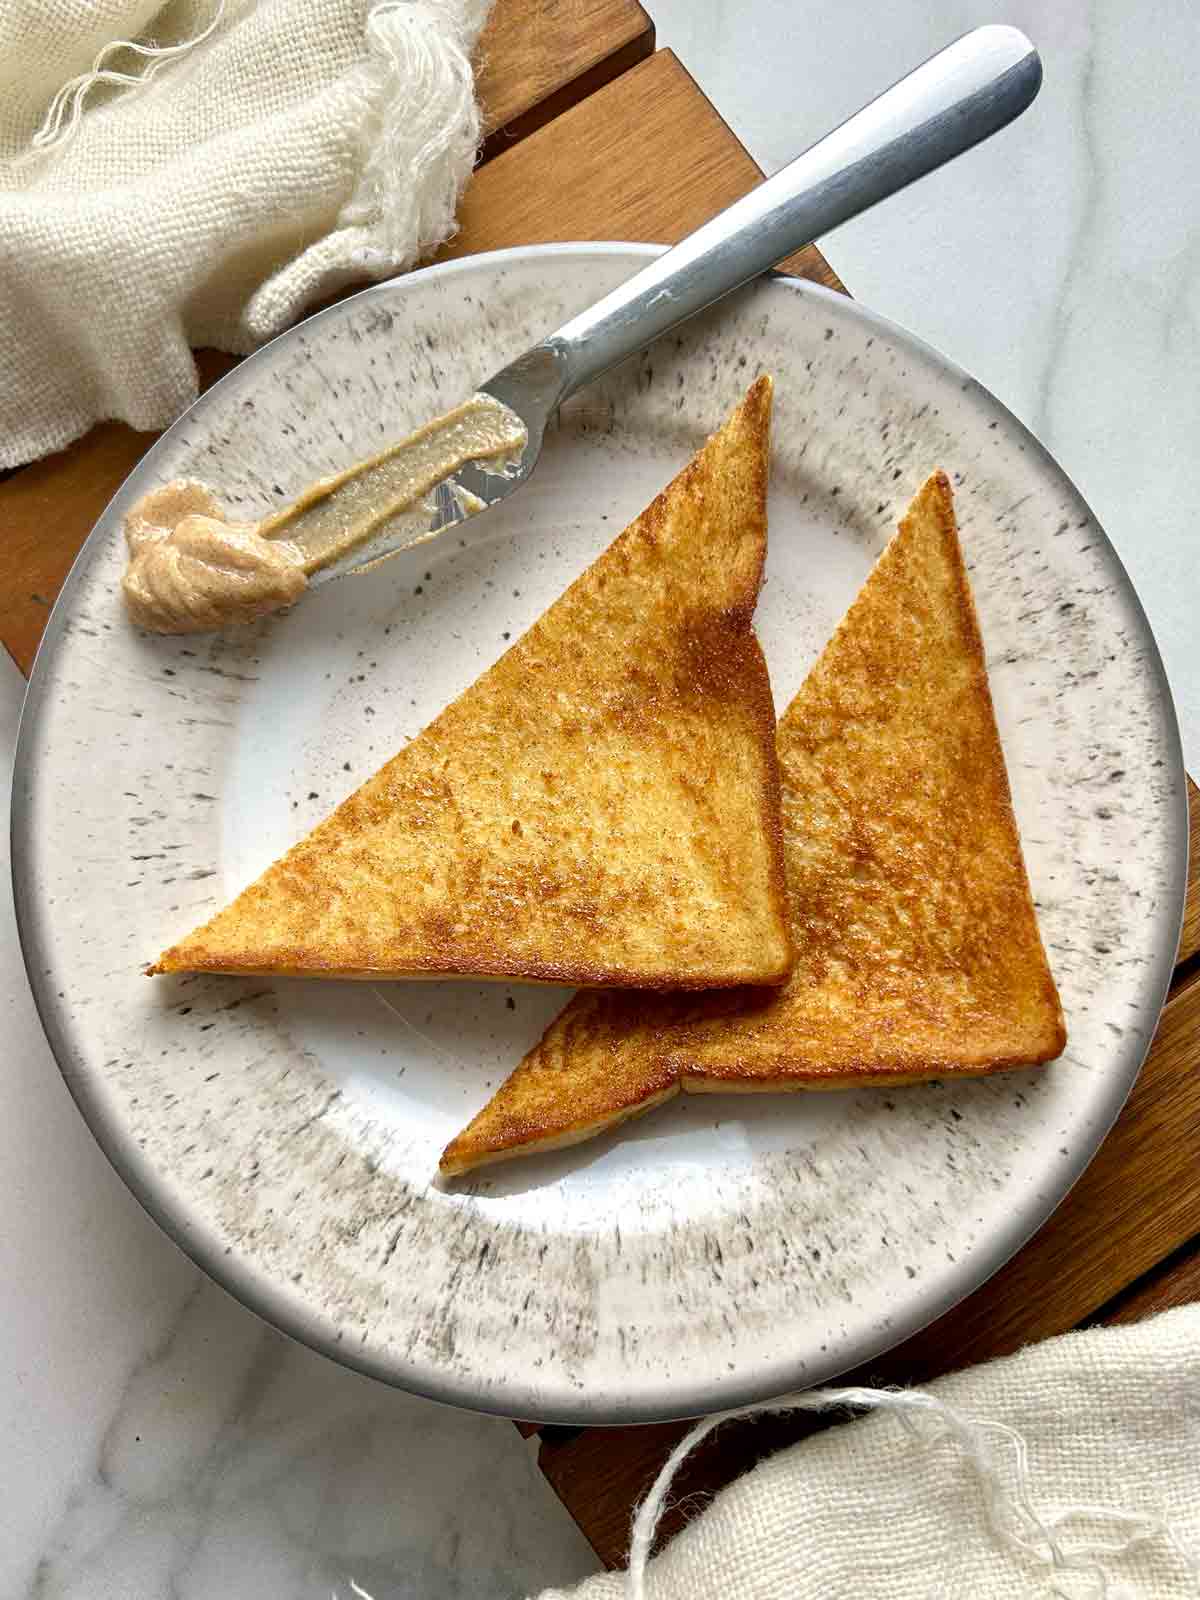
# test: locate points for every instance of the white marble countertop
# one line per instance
(160, 1441)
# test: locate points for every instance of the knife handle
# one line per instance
(962, 95)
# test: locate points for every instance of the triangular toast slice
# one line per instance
(917, 949)
(601, 807)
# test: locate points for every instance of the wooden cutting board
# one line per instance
(594, 136)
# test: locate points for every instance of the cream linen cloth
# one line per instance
(874, 1511)
(302, 146)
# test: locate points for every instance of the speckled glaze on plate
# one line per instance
(287, 1133)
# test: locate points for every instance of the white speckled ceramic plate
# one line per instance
(287, 1133)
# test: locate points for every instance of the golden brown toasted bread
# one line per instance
(600, 807)
(917, 950)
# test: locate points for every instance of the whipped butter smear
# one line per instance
(191, 570)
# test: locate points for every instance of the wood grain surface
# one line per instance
(1176, 1282)
(675, 167)
(1189, 938)
(537, 57)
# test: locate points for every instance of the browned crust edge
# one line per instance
(939, 483)
(544, 972)
(860, 1073)
(790, 1079)
(453, 1166)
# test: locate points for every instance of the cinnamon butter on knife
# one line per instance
(191, 570)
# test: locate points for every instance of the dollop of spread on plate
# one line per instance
(202, 572)
(191, 570)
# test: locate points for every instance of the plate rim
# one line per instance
(516, 1399)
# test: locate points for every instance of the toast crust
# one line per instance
(918, 953)
(600, 808)
(529, 1141)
